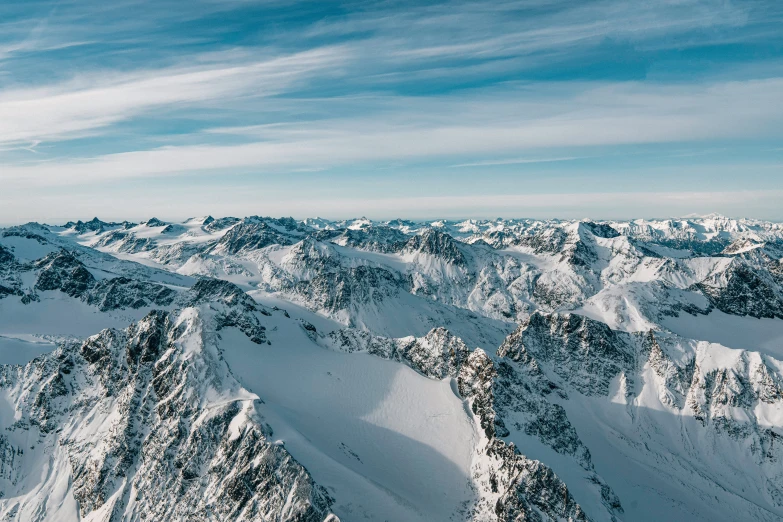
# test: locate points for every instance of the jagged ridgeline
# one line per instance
(262, 369)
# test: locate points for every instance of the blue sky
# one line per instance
(539, 108)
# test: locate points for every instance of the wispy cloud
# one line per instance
(595, 115)
(516, 161)
(553, 29)
(90, 102)
(98, 94)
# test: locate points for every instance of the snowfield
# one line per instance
(749, 333)
(387, 442)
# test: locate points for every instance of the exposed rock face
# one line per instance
(251, 237)
(600, 230)
(126, 242)
(751, 385)
(742, 245)
(510, 485)
(743, 290)
(514, 487)
(375, 239)
(438, 355)
(541, 239)
(208, 289)
(6, 257)
(127, 416)
(522, 398)
(62, 271)
(232, 306)
(9, 279)
(436, 243)
(255, 233)
(8, 290)
(476, 382)
(32, 231)
(212, 225)
(94, 225)
(338, 291)
(122, 292)
(677, 376)
(583, 352)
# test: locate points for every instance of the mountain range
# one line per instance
(258, 369)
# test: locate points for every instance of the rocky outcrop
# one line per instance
(93, 225)
(743, 290)
(256, 233)
(213, 225)
(155, 222)
(231, 306)
(436, 243)
(438, 355)
(582, 352)
(510, 486)
(126, 242)
(513, 486)
(7, 258)
(375, 238)
(132, 418)
(63, 271)
(121, 292)
(251, 236)
(32, 231)
(353, 288)
(10, 283)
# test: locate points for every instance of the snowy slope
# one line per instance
(385, 441)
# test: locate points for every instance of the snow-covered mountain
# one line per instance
(275, 369)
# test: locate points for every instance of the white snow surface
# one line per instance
(18, 348)
(388, 443)
(750, 333)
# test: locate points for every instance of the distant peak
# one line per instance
(711, 215)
